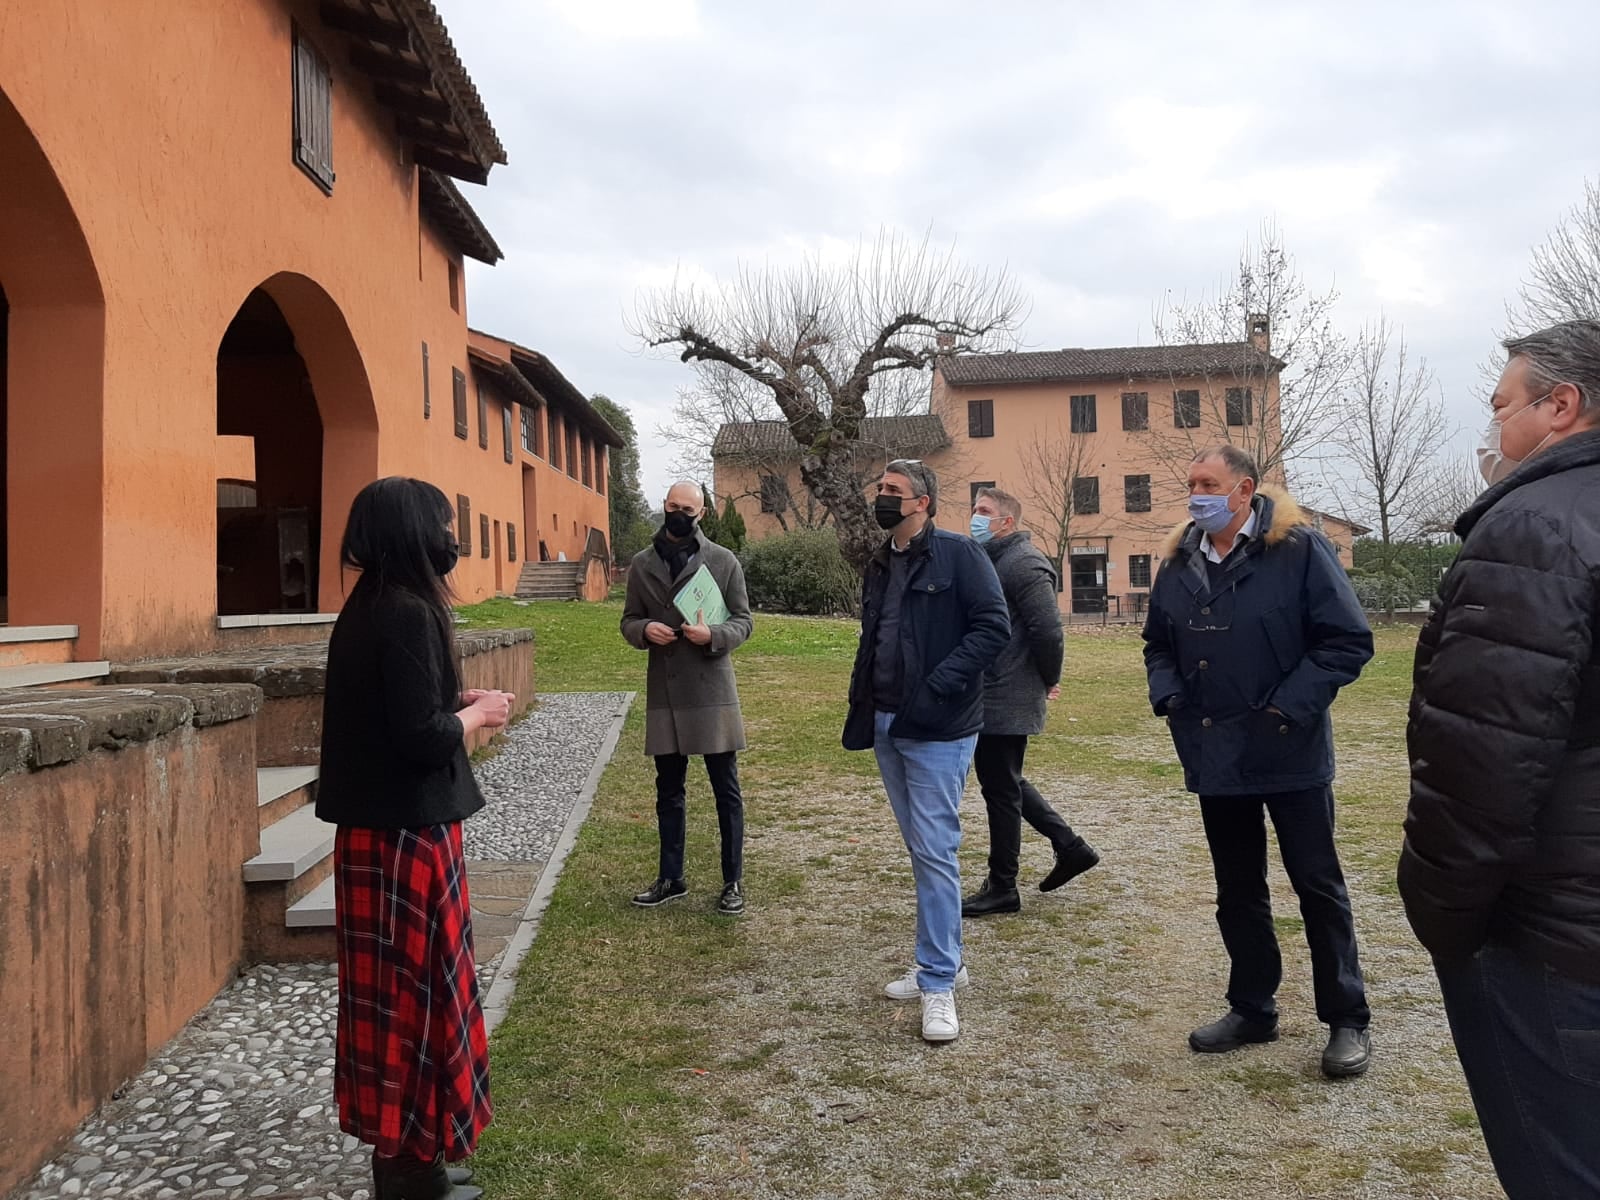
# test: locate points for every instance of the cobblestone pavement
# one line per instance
(240, 1104)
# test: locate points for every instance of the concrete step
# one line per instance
(282, 790)
(290, 848)
(47, 674)
(296, 860)
(315, 910)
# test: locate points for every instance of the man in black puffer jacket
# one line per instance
(1500, 872)
(1017, 686)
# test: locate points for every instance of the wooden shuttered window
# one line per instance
(313, 112)
(980, 418)
(554, 457)
(505, 429)
(600, 468)
(464, 524)
(1186, 409)
(1136, 410)
(483, 535)
(427, 394)
(483, 418)
(459, 386)
(1086, 495)
(511, 542)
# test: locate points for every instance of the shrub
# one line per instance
(801, 572)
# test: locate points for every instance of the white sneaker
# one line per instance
(939, 1022)
(905, 988)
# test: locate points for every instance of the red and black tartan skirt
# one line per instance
(412, 1064)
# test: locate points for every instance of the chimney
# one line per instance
(946, 341)
(1260, 331)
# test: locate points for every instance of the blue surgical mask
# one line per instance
(1211, 513)
(979, 528)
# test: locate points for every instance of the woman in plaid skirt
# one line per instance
(412, 1070)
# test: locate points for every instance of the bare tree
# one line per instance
(1057, 505)
(821, 339)
(1390, 424)
(1263, 330)
(727, 419)
(1563, 282)
(1455, 486)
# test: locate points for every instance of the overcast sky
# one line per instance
(1412, 153)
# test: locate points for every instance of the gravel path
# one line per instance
(240, 1104)
(530, 784)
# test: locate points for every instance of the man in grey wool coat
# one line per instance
(1016, 687)
(691, 701)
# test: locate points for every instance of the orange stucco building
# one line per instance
(232, 292)
(1094, 442)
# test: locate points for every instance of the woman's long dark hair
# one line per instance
(398, 529)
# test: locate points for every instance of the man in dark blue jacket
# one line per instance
(932, 617)
(1253, 629)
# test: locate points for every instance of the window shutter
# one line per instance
(980, 418)
(1083, 414)
(313, 112)
(464, 524)
(427, 395)
(511, 542)
(1136, 493)
(459, 382)
(505, 428)
(483, 419)
(1186, 409)
(1136, 410)
(554, 430)
(483, 534)
(600, 468)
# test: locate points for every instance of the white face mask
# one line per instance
(1493, 464)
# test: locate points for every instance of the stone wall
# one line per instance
(125, 816)
(292, 678)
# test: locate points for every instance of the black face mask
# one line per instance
(887, 511)
(443, 558)
(679, 524)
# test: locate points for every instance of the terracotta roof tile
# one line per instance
(917, 434)
(1109, 363)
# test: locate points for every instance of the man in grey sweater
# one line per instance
(1017, 686)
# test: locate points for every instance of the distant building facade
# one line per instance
(1094, 442)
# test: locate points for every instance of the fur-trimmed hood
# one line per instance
(1280, 510)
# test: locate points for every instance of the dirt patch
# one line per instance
(1071, 1077)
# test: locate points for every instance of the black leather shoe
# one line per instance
(459, 1175)
(661, 891)
(732, 902)
(989, 899)
(1231, 1032)
(1349, 1053)
(1070, 863)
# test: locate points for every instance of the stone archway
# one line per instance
(52, 372)
(290, 379)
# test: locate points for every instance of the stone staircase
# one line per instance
(550, 581)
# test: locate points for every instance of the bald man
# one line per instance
(691, 702)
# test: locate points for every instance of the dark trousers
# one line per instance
(1237, 835)
(1011, 800)
(672, 771)
(1529, 1042)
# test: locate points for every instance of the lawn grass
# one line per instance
(662, 1053)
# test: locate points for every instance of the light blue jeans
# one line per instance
(924, 781)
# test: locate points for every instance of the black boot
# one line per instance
(1349, 1053)
(1071, 861)
(408, 1178)
(990, 899)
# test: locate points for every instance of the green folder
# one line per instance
(701, 595)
